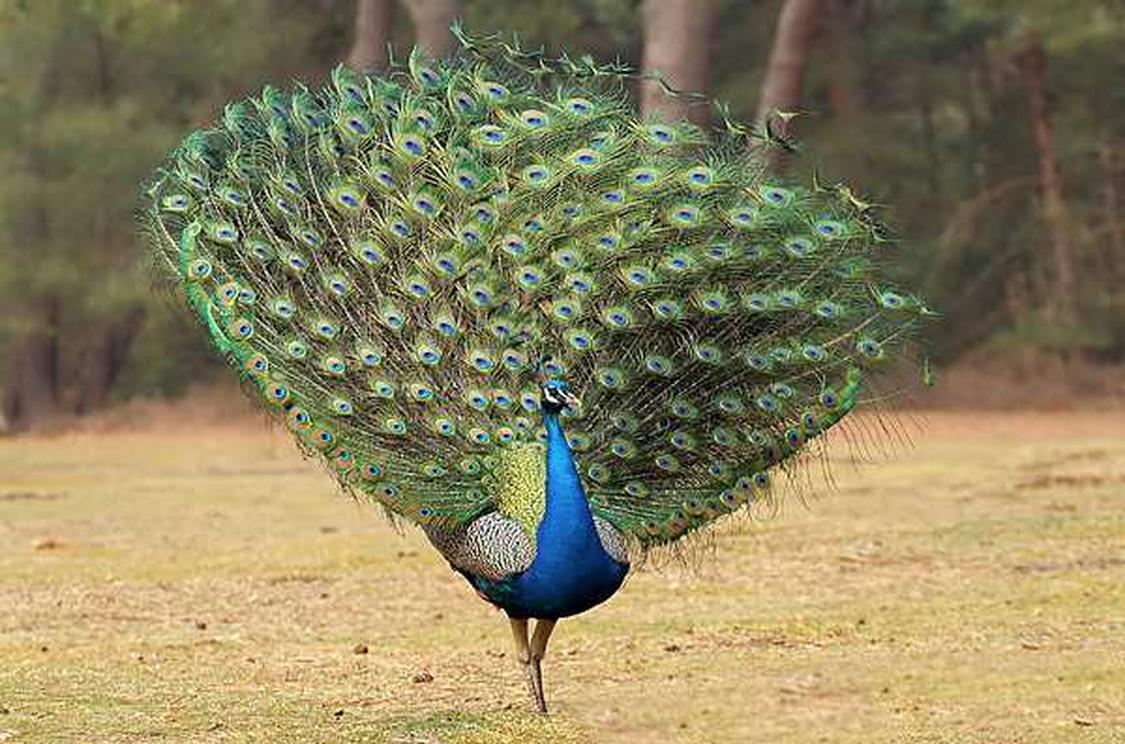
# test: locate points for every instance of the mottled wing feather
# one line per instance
(613, 541)
(492, 546)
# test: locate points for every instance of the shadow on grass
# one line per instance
(493, 727)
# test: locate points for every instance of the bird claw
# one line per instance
(535, 681)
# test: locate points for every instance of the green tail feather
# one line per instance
(394, 264)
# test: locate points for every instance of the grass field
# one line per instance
(207, 585)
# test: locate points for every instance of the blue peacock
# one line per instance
(502, 306)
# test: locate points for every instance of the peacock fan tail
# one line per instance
(394, 264)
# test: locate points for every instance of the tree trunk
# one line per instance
(973, 170)
(104, 359)
(31, 398)
(1111, 198)
(677, 40)
(373, 21)
(929, 137)
(792, 44)
(431, 19)
(105, 68)
(847, 18)
(1054, 205)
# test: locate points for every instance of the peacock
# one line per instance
(501, 305)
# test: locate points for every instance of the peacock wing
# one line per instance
(340, 249)
(740, 326)
(395, 264)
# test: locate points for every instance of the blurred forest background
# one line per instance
(994, 130)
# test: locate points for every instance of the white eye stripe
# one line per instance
(553, 395)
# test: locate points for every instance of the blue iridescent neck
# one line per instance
(567, 517)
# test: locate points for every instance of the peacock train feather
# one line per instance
(395, 264)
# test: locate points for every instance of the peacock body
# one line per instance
(504, 308)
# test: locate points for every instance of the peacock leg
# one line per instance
(539, 640)
(523, 652)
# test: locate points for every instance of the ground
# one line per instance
(199, 582)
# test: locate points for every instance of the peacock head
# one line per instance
(554, 395)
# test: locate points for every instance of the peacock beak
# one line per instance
(569, 399)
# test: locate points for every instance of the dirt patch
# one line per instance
(29, 496)
(928, 597)
(1081, 480)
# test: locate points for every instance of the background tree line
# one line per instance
(993, 129)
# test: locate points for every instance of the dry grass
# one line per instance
(204, 585)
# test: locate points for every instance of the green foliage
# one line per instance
(92, 93)
(921, 101)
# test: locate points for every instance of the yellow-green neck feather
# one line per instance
(519, 485)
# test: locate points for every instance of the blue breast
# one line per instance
(572, 571)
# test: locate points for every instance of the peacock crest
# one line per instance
(395, 265)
